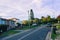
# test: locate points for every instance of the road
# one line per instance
(35, 34)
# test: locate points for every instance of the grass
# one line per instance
(58, 26)
(53, 36)
(27, 27)
(8, 33)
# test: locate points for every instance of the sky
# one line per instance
(19, 8)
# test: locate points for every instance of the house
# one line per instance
(3, 25)
(16, 21)
(10, 24)
(3, 21)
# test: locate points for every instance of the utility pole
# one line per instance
(29, 18)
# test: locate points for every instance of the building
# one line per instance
(16, 21)
(10, 23)
(3, 21)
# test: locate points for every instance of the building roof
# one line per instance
(6, 19)
(14, 18)
(3, 19)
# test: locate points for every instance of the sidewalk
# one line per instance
(48, 37)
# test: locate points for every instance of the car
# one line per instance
(34, 24)
(49, 25)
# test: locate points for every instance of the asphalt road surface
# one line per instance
(35, 34)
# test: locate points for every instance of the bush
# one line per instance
(58, 26)
(3, 28)
(53, 36)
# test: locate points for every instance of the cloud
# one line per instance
(19, 8)
(2, 14)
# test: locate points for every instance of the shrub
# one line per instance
(58, 26)
(3, 28)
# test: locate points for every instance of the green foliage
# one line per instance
(25, 22)
(58, 18)
(58, 26)
(53, 36)
(44, 20)
(36, 20)
(8, 33)
(3, 28)
(18, 24)
(48, 18)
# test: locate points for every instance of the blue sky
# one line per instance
(19, 8)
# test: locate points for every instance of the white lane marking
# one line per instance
(13, 35)
(30, 33)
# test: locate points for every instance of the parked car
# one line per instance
(49, 25)
(34, 24)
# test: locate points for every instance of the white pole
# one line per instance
(29, 18)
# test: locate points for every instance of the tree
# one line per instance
(48, 18)
(43, 19)
(53, 20)
(58, 18)
(36, 20)
(18, 24)
(31, 22)
(25, 22)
